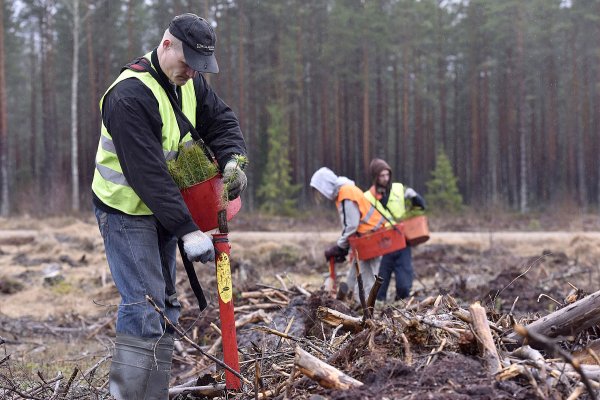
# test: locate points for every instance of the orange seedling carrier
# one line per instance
(416, 230)
(204, 201)
(378, 243)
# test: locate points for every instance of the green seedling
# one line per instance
(192, 166)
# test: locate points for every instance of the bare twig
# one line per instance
(191, 342)
(554, 349)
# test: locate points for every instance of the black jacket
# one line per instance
(130, 113)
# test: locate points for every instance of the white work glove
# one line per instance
(409, 193)
(198, 247)
(235, 178)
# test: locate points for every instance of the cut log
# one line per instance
(323, 373)
(335, 318)
(484, 336)
(570, 320)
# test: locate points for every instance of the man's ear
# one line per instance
(166, 44)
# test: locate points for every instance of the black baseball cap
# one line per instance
(198, 39)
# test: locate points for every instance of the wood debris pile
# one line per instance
(406, 350)
(296, 344)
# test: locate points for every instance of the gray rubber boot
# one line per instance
(141, 368)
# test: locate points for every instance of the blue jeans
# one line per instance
(139, 251)
(400, 263)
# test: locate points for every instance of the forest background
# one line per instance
(508, 90)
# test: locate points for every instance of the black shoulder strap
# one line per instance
(142, 64)
(382, 214)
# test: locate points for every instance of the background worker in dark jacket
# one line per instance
(139, 208)
(390, 200)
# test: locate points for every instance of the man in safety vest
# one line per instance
(390, 199)
(140, 211)
(357, 215)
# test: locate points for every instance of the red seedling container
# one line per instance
(204, 201)
(378, 243)
(416, 230)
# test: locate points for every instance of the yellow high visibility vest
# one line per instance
(395, 205)
(109, 183)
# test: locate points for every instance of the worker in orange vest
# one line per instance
(357, 215)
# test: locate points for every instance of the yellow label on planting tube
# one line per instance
(224, 284)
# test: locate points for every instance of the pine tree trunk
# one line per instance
(74, 110)
(486, 136)
(33, 138)
(551, 128)
(441, 77)
(597, 110)
(403, 140)
(338, 125)
(89, 140)
(366, 153)
(325, 137)
(475, 146)
(397, 129)
(50, 160)
(378, 124)
(521, 111)
(5, 204)
(573, 101)
(583, 144)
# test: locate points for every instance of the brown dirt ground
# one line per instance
(46, 320)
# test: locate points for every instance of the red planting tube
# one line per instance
(225, 292)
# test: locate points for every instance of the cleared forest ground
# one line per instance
(57, 305)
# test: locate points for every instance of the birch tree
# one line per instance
(74, 110)
(73, 6)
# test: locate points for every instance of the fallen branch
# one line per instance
(465, 316)
(335, 318)
(209, 390)
(294, 338)
(252, 307)
(373, 294)
(323, 373)
(407, 352)
(552, 348)
(572, 319)
(361, 288)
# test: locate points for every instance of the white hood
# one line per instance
(328, 183)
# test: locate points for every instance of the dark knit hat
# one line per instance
(377, 165)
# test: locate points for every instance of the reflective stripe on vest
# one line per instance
(370, 218)
(395, 205)
(109, 183)
(108, 145)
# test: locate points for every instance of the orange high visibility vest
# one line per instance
(370, 218)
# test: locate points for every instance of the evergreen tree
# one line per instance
(276, 192)
(442, 190)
